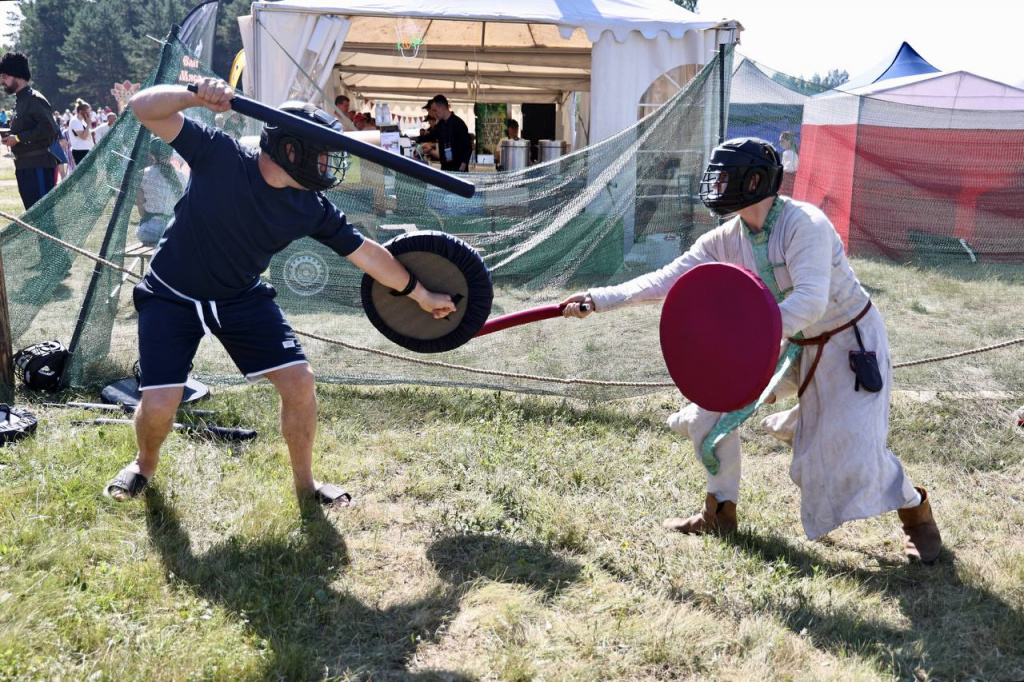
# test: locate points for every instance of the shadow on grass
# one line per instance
(956, 629)
(282, 586)
(462, 559)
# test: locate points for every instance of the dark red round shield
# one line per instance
(720, 335)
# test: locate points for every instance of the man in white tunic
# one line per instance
(838, 429)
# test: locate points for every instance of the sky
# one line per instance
(6, 26)
(801, 37)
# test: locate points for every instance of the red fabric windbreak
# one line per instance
(922, 188)
(904, 192)
(825, 177)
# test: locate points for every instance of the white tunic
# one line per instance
(840, 459)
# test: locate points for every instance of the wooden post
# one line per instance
(6, 354)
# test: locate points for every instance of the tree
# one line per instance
(229, 38)
(833, 79)
(155, 19)
(95, 52)
(43, 30)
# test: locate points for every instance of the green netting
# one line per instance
(600, 215)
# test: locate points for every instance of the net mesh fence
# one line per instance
(597, 216)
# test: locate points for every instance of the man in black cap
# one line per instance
(451, 135)
(32, 130)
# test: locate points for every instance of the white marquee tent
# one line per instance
(608, 51)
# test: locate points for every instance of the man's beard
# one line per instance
(10, 89)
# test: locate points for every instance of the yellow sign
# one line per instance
(236, 69)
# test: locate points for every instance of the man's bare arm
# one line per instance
(159, 107)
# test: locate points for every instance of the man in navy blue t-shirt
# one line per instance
(239, 209)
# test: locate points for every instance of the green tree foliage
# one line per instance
(815, 84)
(42, 31)
(81, 48)
(833, 79)
(229, 39)
(95, 52)
(156, 17)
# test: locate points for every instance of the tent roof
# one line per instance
(594, 17)
(482, 50)
(953, 90)
(751, 85)
(905, 61)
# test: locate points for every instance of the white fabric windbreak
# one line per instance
(622, 72)
(311, 40)
(318, 57)
(245, 29)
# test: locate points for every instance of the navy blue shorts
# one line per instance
(251, 328)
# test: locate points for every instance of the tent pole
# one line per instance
(721, 93)
(119, 203)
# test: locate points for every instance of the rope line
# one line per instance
(961, 354)
(489, 372)
(71, 247)
(464, 368)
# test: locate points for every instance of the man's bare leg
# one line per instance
(296, 386)
(154, 419)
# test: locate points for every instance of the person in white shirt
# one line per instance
(838, 429)
(790, 160)
(162, 185)
(104, 127)
(81, 131)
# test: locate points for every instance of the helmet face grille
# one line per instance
(314, 166)
(741, 173)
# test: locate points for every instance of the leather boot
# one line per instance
(718, 518)
(921, 538)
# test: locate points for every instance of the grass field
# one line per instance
(501, 536)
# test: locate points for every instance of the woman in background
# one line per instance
(81, 131)
(790, 160)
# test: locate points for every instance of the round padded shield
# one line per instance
(444, 264)
(16, 424)
(720, 335)
(126, 391)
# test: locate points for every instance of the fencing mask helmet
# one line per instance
(741, 173)
(313, 165)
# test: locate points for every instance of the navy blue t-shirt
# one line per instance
(230, 222)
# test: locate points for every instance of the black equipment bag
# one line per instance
(41, 365)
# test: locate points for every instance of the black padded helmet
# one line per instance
(306, 168)
(725, 187)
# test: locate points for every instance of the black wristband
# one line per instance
(408, 287)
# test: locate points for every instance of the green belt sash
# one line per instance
(731, 421)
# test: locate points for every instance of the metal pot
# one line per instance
(515, 154)
(551, 149)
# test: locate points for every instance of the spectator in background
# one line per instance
(161, 187)
(343, 104)
(451, 136)
(3, 118)
(64, 157)
(81, 131)
(32, 131)
(790, 160)
(104, 128)
(512, 129)
(65, 118)
(359, 121)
